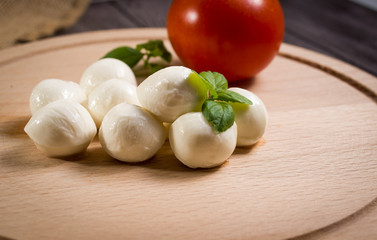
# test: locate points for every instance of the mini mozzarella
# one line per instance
(251, 119)
(103, 70)
(168, 93)
(61, 128)
(50, 90)
(196, 144)
(129, 133)
(109, 94)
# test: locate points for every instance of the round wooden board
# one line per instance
(313, 174)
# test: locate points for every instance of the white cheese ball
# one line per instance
(109, 94)
(196, 144)
(251, 119)
(103, 70)
(61, 128)
(50, 90)
(129, 133)
(171, 92)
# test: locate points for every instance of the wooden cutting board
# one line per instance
(312, 176)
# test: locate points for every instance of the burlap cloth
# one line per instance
(28, 20)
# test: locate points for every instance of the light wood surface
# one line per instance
(312, 176)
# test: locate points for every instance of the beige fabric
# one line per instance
(27, 20)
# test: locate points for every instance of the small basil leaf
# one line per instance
(155, 53)
(154, 67)
(127, 55)
(143, 51)
(155, 48)
(219, 114)
(229, 96)
(150, 45)
(217, 80)
(201, 87)
(211, 90)
(166, 55)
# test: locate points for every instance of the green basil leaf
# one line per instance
(155, 53)
(154, 67)
(217, 80)
(201, 87)
(143, 51)
(211, 90)
(219, 114)
(166, 55)
(127, 55)
(229, 96)
(150, 45)
(155, 48)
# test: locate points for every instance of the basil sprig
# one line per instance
(216, 108)
(145, 52)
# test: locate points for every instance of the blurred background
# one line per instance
(344, 29)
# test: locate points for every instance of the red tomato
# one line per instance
(237, 38)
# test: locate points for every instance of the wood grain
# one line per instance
(342, 29)
(312, 176)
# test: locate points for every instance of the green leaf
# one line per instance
(196, 81)
(154, 67)
(229, 96)
(143, 51)
(166, 55)
(210, 88)
(219, 114)
(128, 55)
(155, 48)
(150, 45)
(217, 80)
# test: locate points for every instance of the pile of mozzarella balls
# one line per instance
(133, 121)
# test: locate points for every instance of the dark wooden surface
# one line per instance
(338, 28)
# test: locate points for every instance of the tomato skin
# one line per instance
(237, 38)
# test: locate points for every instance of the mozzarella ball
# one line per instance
(171, 92)
(251, 119)
(109, 94)
(61, 128)
(196, 144)
(103, 70)
(129, 133)
(50, 90)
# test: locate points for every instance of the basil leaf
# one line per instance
(143, 51)
(127, 55)
(229, 96)
(155, 48)
(201, 87)
(154, 67)
(150, 45)
(166, 55)
(217, 80)
(219, 114)
(211, 89)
